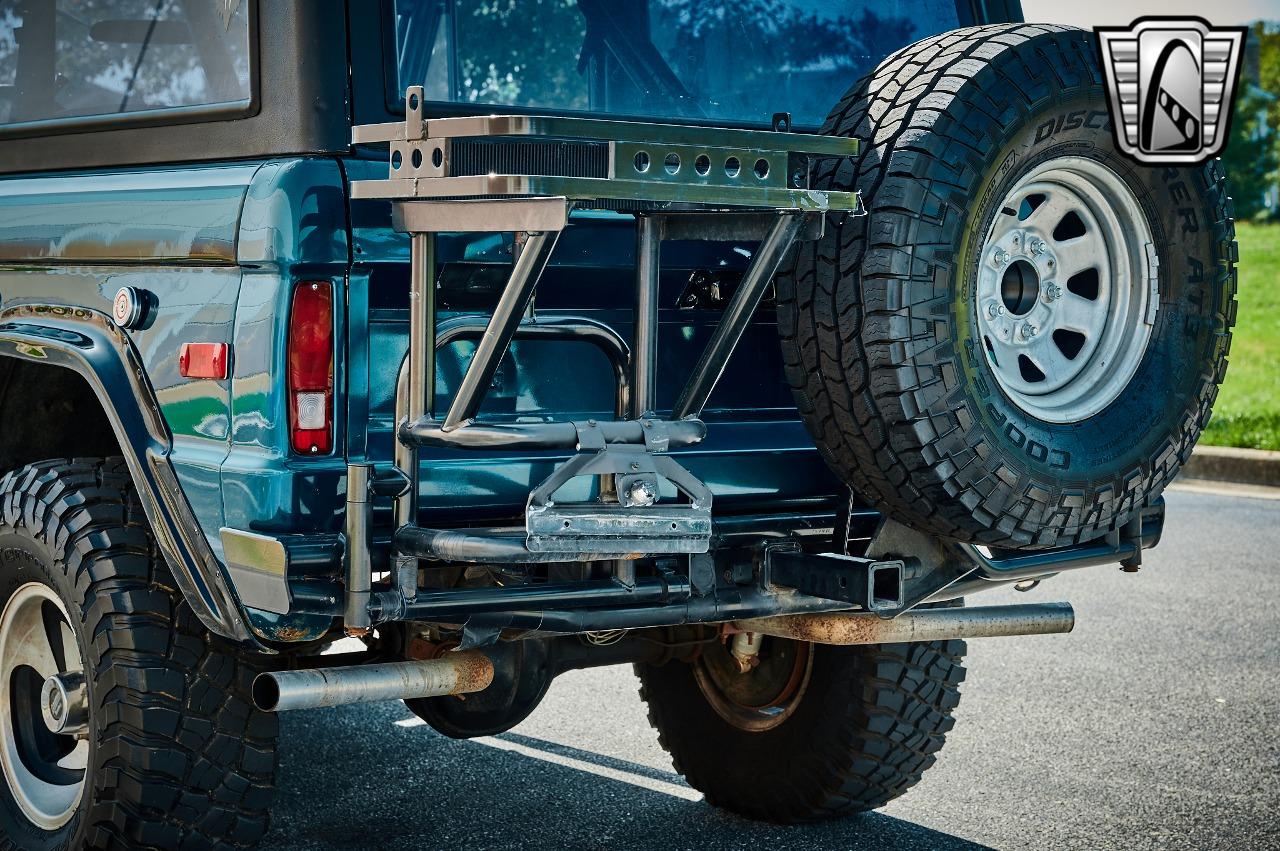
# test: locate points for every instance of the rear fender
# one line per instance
(87, 342)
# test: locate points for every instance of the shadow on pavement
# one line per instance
(348, 783)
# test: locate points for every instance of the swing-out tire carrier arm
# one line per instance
(644, 560)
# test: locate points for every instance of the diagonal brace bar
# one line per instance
(501, 328)
(737, 315)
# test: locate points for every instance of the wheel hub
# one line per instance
(1066, 292)
(44, 713)
(759, 695)
(64, 703)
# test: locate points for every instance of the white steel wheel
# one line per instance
(42, 690)
(1066, 290)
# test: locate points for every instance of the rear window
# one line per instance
(120, 60)
(719, 60)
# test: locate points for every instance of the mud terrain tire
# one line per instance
(174, 753)
(864, 726)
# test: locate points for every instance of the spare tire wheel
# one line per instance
(1021, 342)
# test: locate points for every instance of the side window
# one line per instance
(88, 58)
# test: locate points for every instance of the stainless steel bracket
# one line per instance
(616, 527)
(601, 161)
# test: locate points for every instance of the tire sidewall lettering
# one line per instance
(1045, 450)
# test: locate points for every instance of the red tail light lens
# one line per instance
(311, 367)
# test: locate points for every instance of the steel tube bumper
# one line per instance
(918, 625)
(461, 604)
(454, 673)
(553, 435)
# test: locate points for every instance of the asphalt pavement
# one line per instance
(1155, 724)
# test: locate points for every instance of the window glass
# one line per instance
(76, 58)
(728, 60)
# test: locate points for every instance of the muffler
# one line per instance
(918, 624)
(461, 672)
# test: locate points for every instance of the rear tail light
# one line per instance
(310, 356)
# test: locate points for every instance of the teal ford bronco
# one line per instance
(424, 350)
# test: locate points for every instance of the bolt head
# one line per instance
(999, 257)
(1029, 331)
(1037, 247)
(642, 493)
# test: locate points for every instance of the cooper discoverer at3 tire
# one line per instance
(1021, 342)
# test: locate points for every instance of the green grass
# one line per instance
(1247, 412)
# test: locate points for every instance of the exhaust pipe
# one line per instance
(454, 673)
(918, 624)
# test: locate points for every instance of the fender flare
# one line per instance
(87, 342)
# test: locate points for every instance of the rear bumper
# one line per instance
(292, 588)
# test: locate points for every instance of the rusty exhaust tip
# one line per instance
(265, 693)
(460, 672)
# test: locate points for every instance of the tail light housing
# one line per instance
(310, 358)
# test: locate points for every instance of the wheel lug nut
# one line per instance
(1029, 331)
(993, 310)
(1000, 257)
(1052, 292)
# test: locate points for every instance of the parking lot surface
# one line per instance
(1153, 725)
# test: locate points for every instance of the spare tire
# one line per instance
(1021, 342)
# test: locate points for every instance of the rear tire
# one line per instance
(1030, 415)
(174, 754)
(855, 730)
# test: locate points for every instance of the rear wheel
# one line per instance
(810, 731)
(123, 723)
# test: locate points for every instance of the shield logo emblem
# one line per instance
(1170, 83)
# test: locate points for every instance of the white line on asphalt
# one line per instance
(673, 789)
(1225, 488)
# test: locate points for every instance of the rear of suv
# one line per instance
(429, 349)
